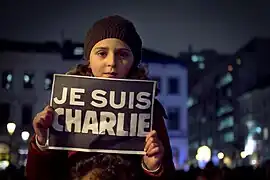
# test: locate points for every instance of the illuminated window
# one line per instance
(226, 79)
(226, 123)
(201, 65)
(228, 137)
(209, 141)
(7, 79)
(224, 110)
(238, 61)
(28, 80)
(48, 81)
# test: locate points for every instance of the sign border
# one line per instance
(101, 150)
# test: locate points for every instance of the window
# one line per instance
(173, 118)
(228, 137)
(224, 110)
(226, 123)
(26, 114)
(158, 79)
(173, 85)
(7, 80)
(48, 81)
(28, 80)
(226, 79)
(209, 141)
(4, 113)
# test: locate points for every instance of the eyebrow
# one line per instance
(106, 48)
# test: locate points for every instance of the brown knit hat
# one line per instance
(114, 27)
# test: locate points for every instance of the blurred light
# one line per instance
(238, 61)
(4, 164)
(230, 68)
(26, 78)
(11, 128)
(78, 51)
(23, 151)
(243, 154)
(250, 124)
(250, 146)
(194, 58)
(204, 153)
(253, 162)
(227, 161)
(25, 135)
(220, 155)
(47, 81)
(197, 157)
(7, 86)
(201, 65)
(265, 133)
(258, 129)
(9, 77)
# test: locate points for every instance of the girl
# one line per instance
(112, 49)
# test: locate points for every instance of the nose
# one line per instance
(111, 60)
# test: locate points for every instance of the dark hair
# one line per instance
(103, 167)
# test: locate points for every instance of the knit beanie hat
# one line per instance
(114, 27)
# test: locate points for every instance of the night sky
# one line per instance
(169, 27)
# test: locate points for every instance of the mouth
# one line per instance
(111, 74)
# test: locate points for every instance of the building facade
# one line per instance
(27, 72)
(214, 115)
(254, 116)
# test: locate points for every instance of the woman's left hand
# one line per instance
(154, 151)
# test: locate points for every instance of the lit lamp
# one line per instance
(11, 128)
(203, 156)
(25, 135)
(220, 155)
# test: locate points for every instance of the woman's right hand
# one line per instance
(42, 122)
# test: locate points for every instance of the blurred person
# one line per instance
(103, 167)
(112, 49)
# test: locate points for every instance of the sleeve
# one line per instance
(168, 169)
(46, 164)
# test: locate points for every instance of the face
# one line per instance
(111, 58)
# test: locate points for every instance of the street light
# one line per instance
(25, 135)
(220, 155)
(11, 128)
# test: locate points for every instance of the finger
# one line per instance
(46, 121)
(154, 151)
(148, 143)
(151, 134)
(152, 146)
(48, 108)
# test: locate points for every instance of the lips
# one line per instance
(111, 74)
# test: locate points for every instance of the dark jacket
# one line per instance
(56, 164)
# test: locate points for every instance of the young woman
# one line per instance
(112, 49)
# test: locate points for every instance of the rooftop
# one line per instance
(67, 49)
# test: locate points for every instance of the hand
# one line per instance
(42, 122)
(154, 151)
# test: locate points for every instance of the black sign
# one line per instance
(101, 114)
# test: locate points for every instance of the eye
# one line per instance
(102, 53)
(123, 54)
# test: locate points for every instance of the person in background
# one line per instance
(112, 49)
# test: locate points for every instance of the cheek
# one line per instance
(125, 68)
